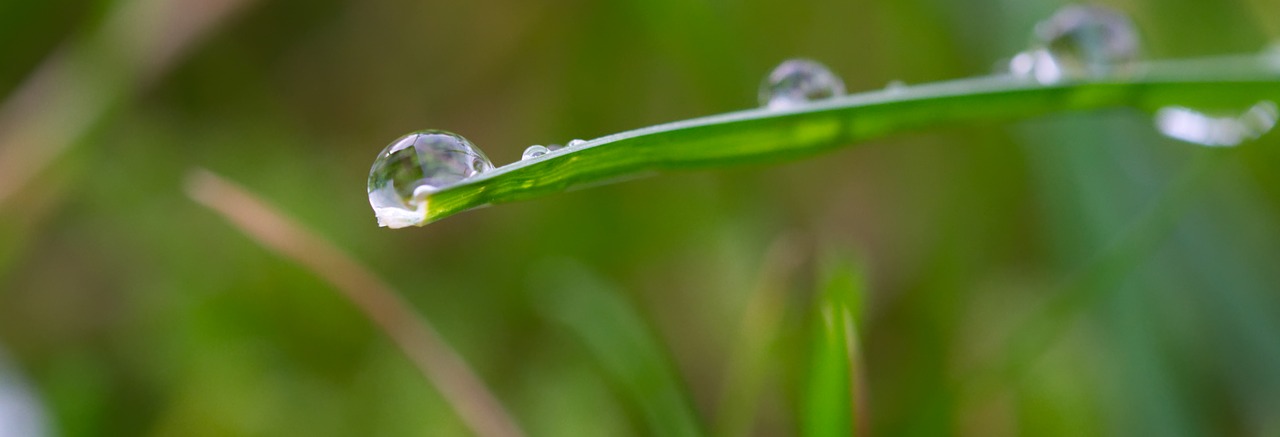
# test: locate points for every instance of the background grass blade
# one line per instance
(623, 344)
(770, 135)
(753, 361)
(829, 405)
(78, 87)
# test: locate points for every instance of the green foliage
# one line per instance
(1044, 262)
(622, 343)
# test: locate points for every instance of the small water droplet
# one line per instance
(534, 151)
(896, 86)
(1077, 42)
(415, 165)
(575, 143)
(798, 81)
(1217, 130)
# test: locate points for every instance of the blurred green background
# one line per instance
(1077, 274)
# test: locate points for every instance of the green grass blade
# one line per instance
(761, 135)
(626, 348)
(752, 362)
(829, 403)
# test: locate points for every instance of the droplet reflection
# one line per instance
(1215, 130)
(1078, 42)
(534, 151)
(799, 81)
(416, 165)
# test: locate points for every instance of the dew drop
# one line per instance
(896, 86)
(798, 81)
(575, 143)
(416, 165)
(1217, 130)
(534, 151)
(1078, 42)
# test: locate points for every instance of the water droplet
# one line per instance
(415, 165)
(798, 81)
(1077, 42)
(1217, 130)
(575, 143)
(896, 86)
(534, 151)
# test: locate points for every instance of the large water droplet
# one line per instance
(1078, 42)
(415, 165)
(1217, 130)
(534, 151)
(799, 81)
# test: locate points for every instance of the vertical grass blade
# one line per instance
(829, 406)
(754, 358)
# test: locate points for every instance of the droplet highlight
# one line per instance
(1079, 42)
(534, 151)
(415, 165)
(1197, 127)
(797, 82)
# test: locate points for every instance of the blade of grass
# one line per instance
(413, 334)
(830, 404)
(78, 86)
(620, 340)
(770, 135)
(749, 362)
(1100, 276)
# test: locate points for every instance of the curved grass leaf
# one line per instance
(629, 352)
(762, 135)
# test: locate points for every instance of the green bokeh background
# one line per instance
(132, 310)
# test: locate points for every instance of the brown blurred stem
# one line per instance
(412, 333)
(81, 83)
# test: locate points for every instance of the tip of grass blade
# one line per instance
(830, 401)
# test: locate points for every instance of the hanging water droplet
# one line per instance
(798, 81)
(534, 151)
(415, 165)
(1079, 41)
(575, 143)
(1217, 130)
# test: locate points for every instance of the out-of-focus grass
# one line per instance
(132, 310)
(829, 404)
(618, 338)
